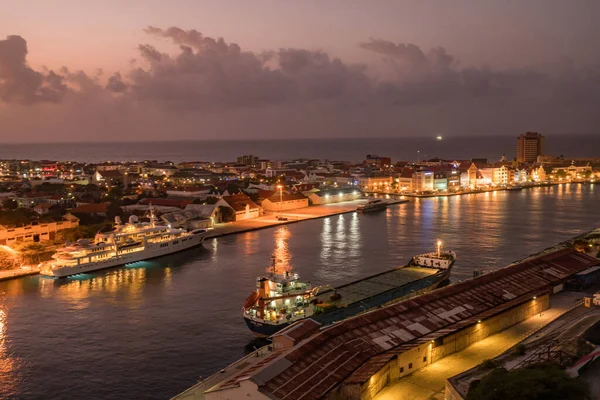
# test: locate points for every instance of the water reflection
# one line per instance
(179, 315)
(9, 379)
(281, 254)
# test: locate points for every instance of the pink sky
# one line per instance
(404, 67)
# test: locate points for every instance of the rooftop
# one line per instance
(351, 351)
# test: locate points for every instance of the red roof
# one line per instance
(239, 202)
(352, 350)
(91, 208)
(166, 202)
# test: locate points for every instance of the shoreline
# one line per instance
(8, 274)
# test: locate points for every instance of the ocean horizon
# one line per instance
(346, 149)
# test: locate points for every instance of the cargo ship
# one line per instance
(282, 299)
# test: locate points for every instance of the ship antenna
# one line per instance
(152, 216)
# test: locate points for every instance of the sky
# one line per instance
(190, 69)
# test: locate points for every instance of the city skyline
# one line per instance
(275, 71)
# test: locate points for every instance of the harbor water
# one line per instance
(152, 329)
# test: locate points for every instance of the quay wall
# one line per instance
(410, 361)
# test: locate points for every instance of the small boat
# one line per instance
(372, 205)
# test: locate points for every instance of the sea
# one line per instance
(150, 330)
(352, 149)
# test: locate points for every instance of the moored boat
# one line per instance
(123, 244)
(281, 299)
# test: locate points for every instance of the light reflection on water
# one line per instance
(149, 330)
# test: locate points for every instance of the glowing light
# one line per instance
(438, 138)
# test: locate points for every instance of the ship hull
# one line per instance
(263, 329)
(146, 254)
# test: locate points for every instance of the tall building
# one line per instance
(247, 160)
(530, 145)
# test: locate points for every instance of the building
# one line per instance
(99, 209)
(422, 181)
(405, 180)
(30, 199)
(357, 357)
(530, 145)
(283, 202)
(242, 205)
(42, 208)
(330, 196)
(36, 233)
(247, 160)
(374, 183)
(109, 178)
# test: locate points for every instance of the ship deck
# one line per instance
(371, 286)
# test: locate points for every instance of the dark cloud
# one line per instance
(210, 86)
(21, 84)
(115, 84)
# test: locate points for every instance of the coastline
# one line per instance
(9, 274)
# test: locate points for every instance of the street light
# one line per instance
(439, 248)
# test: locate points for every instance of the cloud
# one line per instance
(21, 84)
(115, 83)
(209, 86)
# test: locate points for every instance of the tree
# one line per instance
(32, 252)
(561, 173)
(10, 204)
(541, 381)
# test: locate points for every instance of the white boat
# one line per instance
(125, 243)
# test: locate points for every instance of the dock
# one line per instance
(357, 357)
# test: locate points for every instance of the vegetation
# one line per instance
(8, 260)
(561, 173)
(489, 364)
(520, 349)
(80, 232)
(542, 381)
(17, 217)
(10, 204)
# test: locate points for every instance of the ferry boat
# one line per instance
(372, 205)
(282, 299)
(125, 243)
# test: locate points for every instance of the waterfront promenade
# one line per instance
(429, 382)
(6, 274)
(291, 216)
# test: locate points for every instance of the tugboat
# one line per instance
(372, 205)
(282, 299)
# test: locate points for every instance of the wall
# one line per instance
(246, 389)
(26, 233)
(334, 198)
(268, 205)
(425, 354)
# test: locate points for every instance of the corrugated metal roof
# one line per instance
(353, 350)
